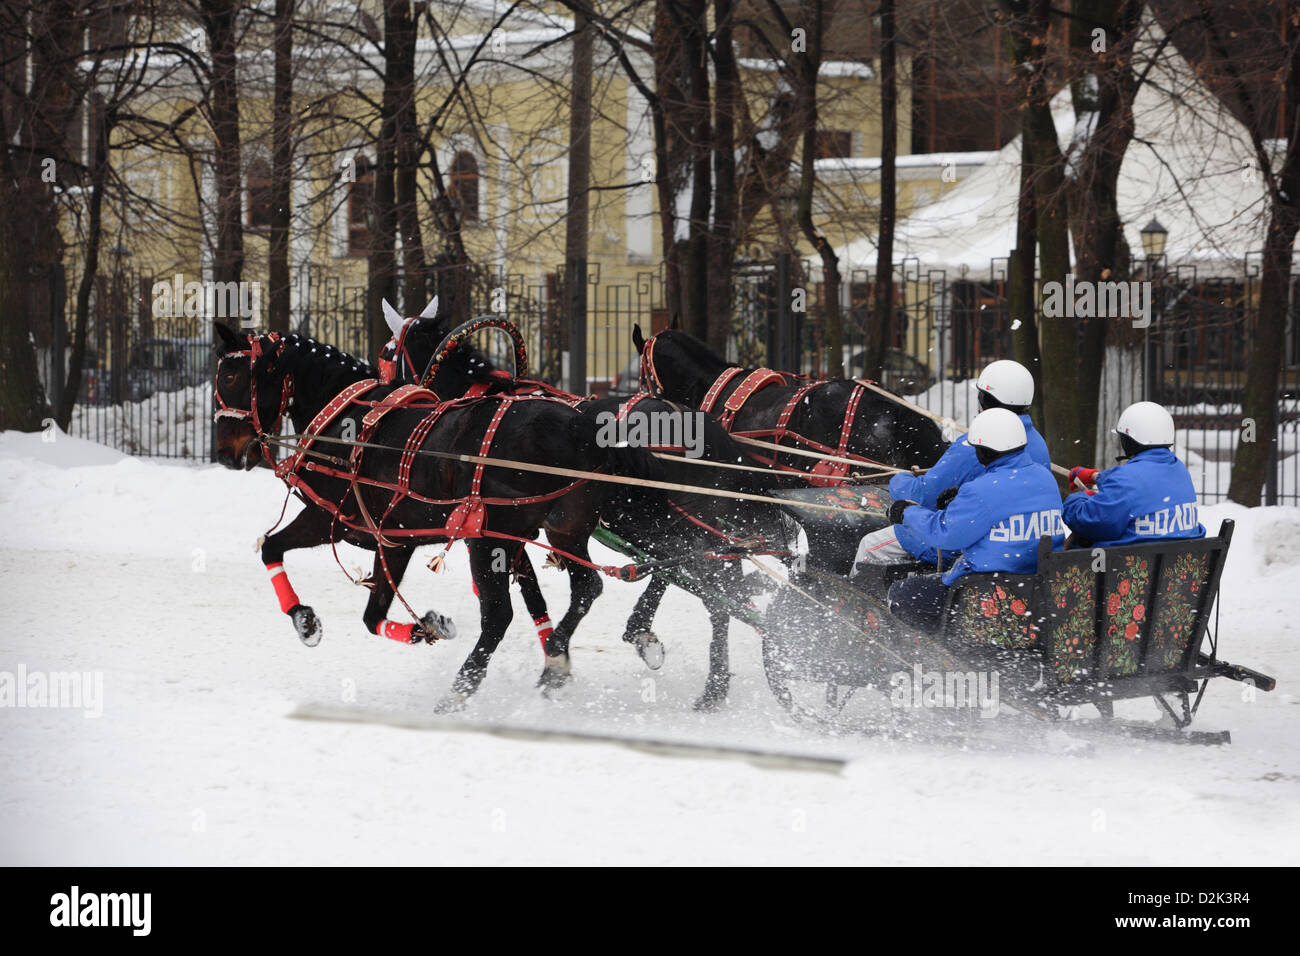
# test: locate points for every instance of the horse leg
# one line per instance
(639, 631)
(430, 628)
(719, 679)
(532, 595)
(310, 528)
(584, 587)
(495, 613)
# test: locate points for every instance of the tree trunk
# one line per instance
(277, 265)
(695, 41)
(726, 202)
(1105, 89)
(671, 144)
(219, 18)
(101, 128)
(578, 221)
(22, 399)
(406, 185)
(1024, 260)
(1059, 342)
(381, 280)
(883, 307)
(818, 13)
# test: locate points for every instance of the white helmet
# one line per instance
(1147, 424)
(998, 429)
(1009, 382)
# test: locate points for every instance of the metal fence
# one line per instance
(146, 381)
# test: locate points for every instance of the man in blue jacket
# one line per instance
(1148, 497)
(995, 519)
(1004, 384)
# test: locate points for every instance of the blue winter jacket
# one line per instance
(957, 466)
(1148, 498)
(996, 519)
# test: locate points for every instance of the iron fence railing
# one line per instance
(146, 380)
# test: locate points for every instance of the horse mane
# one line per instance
(317, 367)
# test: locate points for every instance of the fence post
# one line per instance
(577, 269)
(1270, 475)
(782, 355)
(58, 335)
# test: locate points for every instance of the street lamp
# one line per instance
(1153, 239)
(1153, 244)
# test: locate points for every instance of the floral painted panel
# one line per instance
(996, 615)
(1125, 613)
(1174, 623)
(1071, 593)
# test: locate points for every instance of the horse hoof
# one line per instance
(710, 701)
(453, 702)
(439, 627)
(307, 624)
(555, 675)
(649, 648)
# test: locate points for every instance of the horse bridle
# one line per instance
(253, 353)
(649, 376)
(388, 367)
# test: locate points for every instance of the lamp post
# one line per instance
(1153, 236)
(781, 348)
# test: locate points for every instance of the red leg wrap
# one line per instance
(396, 632)
(283, 589)
(544, 629)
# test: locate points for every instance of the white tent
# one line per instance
(1190, 165)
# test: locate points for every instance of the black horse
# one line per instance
(679, 528)
(681, 368)
(259, 377)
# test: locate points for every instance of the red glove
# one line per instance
(1083, 478)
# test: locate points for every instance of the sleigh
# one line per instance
(1087, 628)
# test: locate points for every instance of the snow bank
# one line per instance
(173, 424)
(143, 572)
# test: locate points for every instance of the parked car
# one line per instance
(628, 382)
(165, 365)
(902, 373)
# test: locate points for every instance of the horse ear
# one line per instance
(430, 310)
(392, 317)
(676, 323)
(637, 338)
(226, 338)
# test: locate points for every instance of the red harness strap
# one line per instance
(759, 378)
(830, 472)
(711, 396)
(466, 519)
(289, 467)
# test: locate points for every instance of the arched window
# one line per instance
(359, 196)
(259, 194)
(464, 185)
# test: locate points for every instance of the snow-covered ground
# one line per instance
(143, 573)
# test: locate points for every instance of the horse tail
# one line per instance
(586, 434)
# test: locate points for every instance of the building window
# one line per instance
(359, 197)
(834, 144)
(259, 194)
(464, 185)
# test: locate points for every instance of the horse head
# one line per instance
(395, 360)
(677, 366)
(241, 409)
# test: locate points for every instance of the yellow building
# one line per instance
(502, 150)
